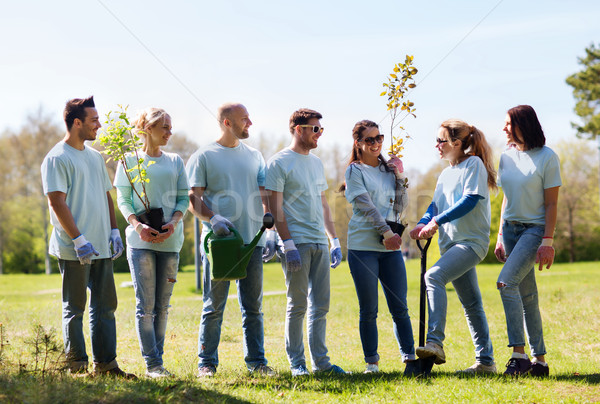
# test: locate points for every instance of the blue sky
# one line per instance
(476, 59)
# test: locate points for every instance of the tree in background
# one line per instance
(24, 230)
(586, 90)
(577, 230)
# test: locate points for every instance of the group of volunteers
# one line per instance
(228, 185)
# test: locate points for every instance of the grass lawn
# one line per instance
(569, 299)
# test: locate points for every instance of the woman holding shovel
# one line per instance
(461, 211)
(153, 253)
(530, 177)
(377, 192)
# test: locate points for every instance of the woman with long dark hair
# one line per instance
(377, 192)
(529, 175)
(460, 209)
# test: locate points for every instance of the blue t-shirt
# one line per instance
(469, 177)
(82, 176)
(523, 176)
(167, 189)
(381, 187)
(301, 180)
(231, 176)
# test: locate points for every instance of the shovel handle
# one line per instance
(422, 297)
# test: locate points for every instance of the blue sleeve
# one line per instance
(431, 211)
(459, 209)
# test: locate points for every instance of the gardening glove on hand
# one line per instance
(270, 245)
(396, 164)
(84, 250)
(414, 233)
(220, 225)
(147, 233)
(116, 243)
(545, 253)
(335, 252)
(292, 256)
(429, 230)
(499, 250)
(391, 240)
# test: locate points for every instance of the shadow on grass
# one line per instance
(18, 388)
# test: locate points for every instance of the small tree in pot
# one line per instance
(120, 140)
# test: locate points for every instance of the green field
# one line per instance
(569, 299)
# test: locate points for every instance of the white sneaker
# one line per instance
(300, 371)
(372, 368)
(432, 349)
(479, 368)
(206, 371)
(158, 372)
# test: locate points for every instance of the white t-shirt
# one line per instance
(82, 175)
(381, 187)
(301, 179)
(231, 176)
(167, 189)
(473, 229)
(523, 176)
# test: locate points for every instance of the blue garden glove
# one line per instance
(116, 243)
(270, 245)
(335, 252)
(220, 225)
(84, 250)
(292, 256)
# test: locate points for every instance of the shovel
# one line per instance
(425, 364)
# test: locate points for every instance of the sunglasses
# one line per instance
(440, 141)
(315, 128)
(371, 140)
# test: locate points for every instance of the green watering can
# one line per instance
(228, 256)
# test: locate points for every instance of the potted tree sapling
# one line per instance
(121, 143)
(398, 84)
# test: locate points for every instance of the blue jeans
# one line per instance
(154, 274)
(520, 295)
(98, 277)
(367, 269)
(308, 287)
(457, 265)
(250, 294)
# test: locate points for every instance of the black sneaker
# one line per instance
(539, 370)
(517, 367)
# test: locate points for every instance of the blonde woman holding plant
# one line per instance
(153, 254)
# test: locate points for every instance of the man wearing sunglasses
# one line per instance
(296, 182)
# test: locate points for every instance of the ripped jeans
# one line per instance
(520, 295)
(154, 274)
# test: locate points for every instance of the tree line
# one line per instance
(25, 224)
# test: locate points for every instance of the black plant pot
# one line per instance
(397, 228)
(155, 218)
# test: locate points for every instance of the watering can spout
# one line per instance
(228, 256)
(268, 222)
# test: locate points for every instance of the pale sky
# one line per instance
(476, 59)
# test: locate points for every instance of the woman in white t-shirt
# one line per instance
(461, 210)
(153, 253)
(376, 191)
(529, 175)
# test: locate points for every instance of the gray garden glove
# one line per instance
(84, 250)
(292, 256)
(220, 225)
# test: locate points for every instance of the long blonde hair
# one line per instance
(473, 144)
(147, 118)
